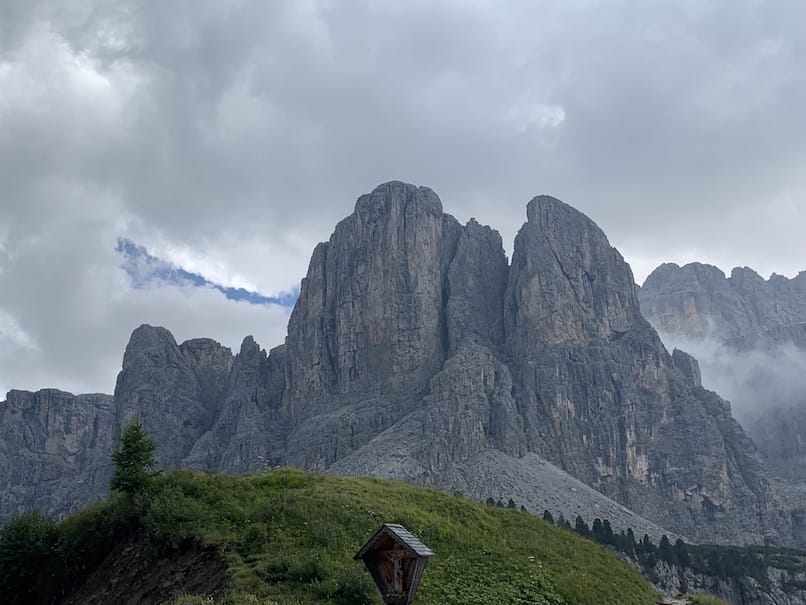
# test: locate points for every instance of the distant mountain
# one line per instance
(744, 311)
(416, 351)
(750, 337)
(54, 450)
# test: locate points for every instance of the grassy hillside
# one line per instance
(288, 537)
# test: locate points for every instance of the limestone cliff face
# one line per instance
(205, 407)
(176, 390)
(744, 311)
(567, 284)
(386, 301)
(602, 398)
(54, 451)
(249, 430)
(573, 374)
(371, 313)
(415, 351)
(751, 334)
(477, 281)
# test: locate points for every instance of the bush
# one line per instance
(28, 543)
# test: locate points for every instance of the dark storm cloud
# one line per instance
(228, 138)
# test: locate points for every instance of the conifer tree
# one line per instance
(598, 530)
(681, 553)
(607, 532)
(630, 547)
(581, 527)
(134, 461)
(665, 551)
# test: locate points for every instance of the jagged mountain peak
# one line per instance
(695, 272)
(745, 274)
(552, 214)
(567, 283)
(147, 337)
(249, 347)
(392, 197)
(415, 348)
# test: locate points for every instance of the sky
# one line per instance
(158, 158)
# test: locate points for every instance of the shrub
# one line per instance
(27, 544)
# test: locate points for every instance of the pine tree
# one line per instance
(581, 527)
(630, 547)
(681, 553)
(665, 551)
(598, 530)
(548, 517)
(620, 541)
(607, 532)
(134, 461)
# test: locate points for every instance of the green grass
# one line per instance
(289, 537)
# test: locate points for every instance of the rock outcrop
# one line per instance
(54, 451)
(781, 584)
(750, 336)
(415, 351)
(602, 398)
(743, 311)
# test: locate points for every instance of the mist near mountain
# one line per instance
(754, 381)
(749, 337)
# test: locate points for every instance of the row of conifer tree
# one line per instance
(712, 560)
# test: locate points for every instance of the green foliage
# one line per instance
(41, 562)
(134, 461)
(681, 553)
(289, 537)
(28, 544)
(717, 561)
(581, 527)
(720, 561)
(529, 586)
(665, 551)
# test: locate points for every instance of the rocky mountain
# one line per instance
(750, 336)
(416, 351)
(54, 450)
(744, 311)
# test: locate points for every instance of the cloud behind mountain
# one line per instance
(228, 138)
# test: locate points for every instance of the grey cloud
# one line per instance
(238, 133)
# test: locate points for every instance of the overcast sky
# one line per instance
(227, 138)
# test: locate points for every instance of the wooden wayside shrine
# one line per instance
(396, 559)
